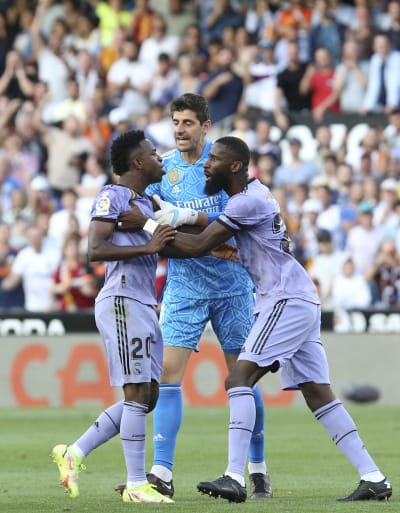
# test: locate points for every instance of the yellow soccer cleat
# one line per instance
(69, 467)
(146, 493)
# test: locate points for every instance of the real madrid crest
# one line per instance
(173, 176)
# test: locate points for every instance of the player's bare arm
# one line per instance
(102, 248)
(184, 244)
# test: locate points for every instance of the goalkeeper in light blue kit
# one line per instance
(198, 291)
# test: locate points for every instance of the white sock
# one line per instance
(76, 451)
(163, 473)
(236, 477)
(373, 477)
(134, 484)
(257, 468)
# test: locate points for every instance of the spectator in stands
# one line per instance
(350, 290)
(14, 82)
(73, 283)
(180, 15)
(188, 79)
(363, 240)
(19, 208)
(32, 143)
(245, 50)
(72, 105)
(159, 128)
(163, 86)
(263, 142)
(325, 265)
(305, 239)
(393, 28)
(191, 45)
(362, 28)
(112, 15)
(297, 171)
(370, 144)
(241, 128)
(384, 211)
(6, 37)
(222, 14)
(329, 217)
(94, 177)
(23, 164)
(287, 93)
(383, 89)
(318, 80)
(265, 166)
(62, 145)
(86, 34)
(127, 81)
(350, 80)
(86, 75)
(33, 267)
(326, 33)
(160, 41)
(260, 80)
(296, 16)
(11, 299)
(59, 220)
(222, 88)
(40, 199)
(53, 67)
(384, 276)
(142, 16)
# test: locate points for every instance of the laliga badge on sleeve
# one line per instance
(103, 205)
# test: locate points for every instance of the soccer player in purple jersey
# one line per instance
(125, 317)
(286, 332)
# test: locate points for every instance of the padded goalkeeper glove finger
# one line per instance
(162, 203)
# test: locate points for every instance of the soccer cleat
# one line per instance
(260, 486)
(69, 467)
(147, 493)
(368, 491)
(164, 487)
(224, 487)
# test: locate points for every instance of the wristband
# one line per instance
(150, 226)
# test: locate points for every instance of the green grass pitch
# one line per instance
(308, 472)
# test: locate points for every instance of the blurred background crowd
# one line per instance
(312, 87)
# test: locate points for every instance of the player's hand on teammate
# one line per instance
(161, 236)
(226, 251)
(172, 215)
(131, 220)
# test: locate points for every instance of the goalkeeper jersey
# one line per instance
(205, 277)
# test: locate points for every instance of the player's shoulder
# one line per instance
(170, 157)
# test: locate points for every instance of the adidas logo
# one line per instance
(158, 438)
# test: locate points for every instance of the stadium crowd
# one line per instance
(283, 76)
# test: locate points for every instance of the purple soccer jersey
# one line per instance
(287, 326)
(124, 311)
(263, 244)
(133, 278)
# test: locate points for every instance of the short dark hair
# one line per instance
(194, 102)
(237, 147)
(121, 149)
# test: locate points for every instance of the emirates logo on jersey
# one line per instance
(173, 176)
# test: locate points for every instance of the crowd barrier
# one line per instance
(58, 360)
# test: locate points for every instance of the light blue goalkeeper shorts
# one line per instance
(183, 321)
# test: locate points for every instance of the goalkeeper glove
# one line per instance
(172, 215)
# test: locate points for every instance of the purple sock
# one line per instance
(241, 424)
(343, 431)
(133, 438)
(105, 427)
